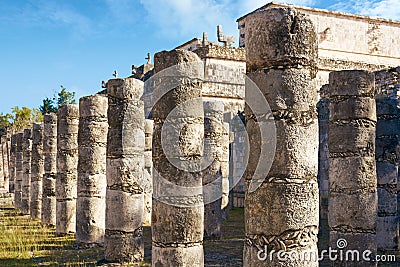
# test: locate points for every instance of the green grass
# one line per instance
(25, 242)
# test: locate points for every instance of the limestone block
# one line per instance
(293, 158)
(387, 233)
(184, 224)
(90, 219)
(279, 37)
(352, 173)
(178, 256)
(299, 200)
(292, 89)
(91, 185)
(92, 158)
(126, 174)
(124, 211)
(387, 173)
(358, 83)
(49, 210)
(124, 247)
(349, 138)
(387, 202)
(66, 186)
(66, 216)
(353, 108)
(353, 210)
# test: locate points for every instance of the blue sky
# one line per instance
(79, 43)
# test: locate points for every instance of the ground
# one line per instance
(25, 242)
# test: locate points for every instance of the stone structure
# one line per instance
(346, 41)
(18, 171)
(67, 163)
(26, 165)
(13, 145)
(2, 176)
(125, 167)
(225, 167)
(352, 176)
(50, 169)
(178, 207)
(92, 182)
(387, 157)
(37, 170)
(282, 213)
(212, 175)
(6, 162)
(323, 153)
(148, 171)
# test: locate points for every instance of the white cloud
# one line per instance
(181, 17)
(389, 9)
(174, 18)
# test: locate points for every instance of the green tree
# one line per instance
(47, 106)
(65, 97)
(24, 118)
(5, 120)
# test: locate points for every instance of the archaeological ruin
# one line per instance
(299, 126)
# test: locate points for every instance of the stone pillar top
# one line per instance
(352, 83)
(280, 36)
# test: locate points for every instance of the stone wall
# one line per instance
(346, 41)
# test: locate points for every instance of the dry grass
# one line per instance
(24, 242)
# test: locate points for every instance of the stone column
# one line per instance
(92, 182)
(225, 171)
(281, 206)
(26, 165)
(4, 142)
(19, 171)
(352, 177)
(178, 207)
(387, 157)
(13, 145)
(212, 175)
(125, 165)
(148, 171)
(37, 171)
(50, 169)
(67, 164)
(1, 164)
(323, 153)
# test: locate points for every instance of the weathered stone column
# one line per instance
(212, 175)
(92, 182)
(352, 177)
(4, 142)
(281, 214)
(67, 164)
(19, 171)
(1, 164)
(37, 171)
(125, 167)
(13, 145)
(225, 171)
(178, 207)
(387, 157)
(148, 171)
(26, 165)
(50, 169)
(323, 153)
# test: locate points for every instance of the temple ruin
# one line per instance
(298, 125)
